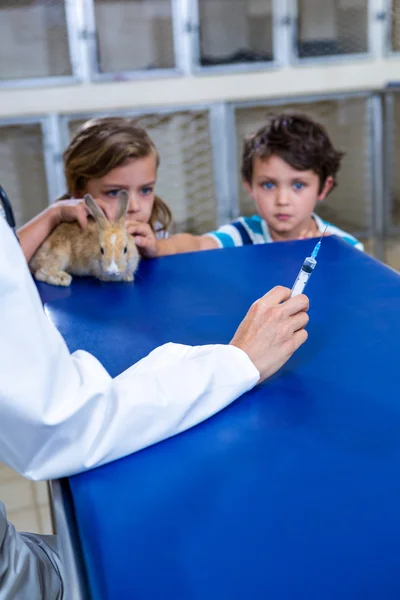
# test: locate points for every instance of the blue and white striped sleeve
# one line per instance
(350, 239)
(231, 235)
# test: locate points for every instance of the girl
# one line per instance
(105, 156)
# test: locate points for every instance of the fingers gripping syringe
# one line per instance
(306, 270)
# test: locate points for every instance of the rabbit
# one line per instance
(103, 249)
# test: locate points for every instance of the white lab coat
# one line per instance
(61, 414)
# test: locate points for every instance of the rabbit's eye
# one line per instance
(102, 249)
(125, 249)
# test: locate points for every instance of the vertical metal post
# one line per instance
(293, 30)
(185, 30)
(388, 26)
(79, 37)
(284, 19)
(53, 149)
(375, 155)
(389, 125)
(223, 139)
(378, 16)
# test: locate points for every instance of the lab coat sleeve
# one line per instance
(61, 414)
(29, 564)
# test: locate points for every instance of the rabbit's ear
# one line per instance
(123, 201)
(95, 210)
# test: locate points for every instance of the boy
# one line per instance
(288, 166)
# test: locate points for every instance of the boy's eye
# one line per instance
(299, 185)
(146, 190)
(125, 249)
(102, 249)
(268, 185)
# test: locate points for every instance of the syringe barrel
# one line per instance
(303, 276)
(309, 264)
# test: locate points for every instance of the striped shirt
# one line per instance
(254, 230)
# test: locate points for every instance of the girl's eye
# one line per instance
(146, 190)
(113, 193)
(125, 249)
(268, 185)
(102, 249)
(299, 185)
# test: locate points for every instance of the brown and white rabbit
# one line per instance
(103, 249)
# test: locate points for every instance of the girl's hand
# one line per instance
(33, 234)
(71, 210)
(145, 239)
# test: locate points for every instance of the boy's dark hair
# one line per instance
(296, 139)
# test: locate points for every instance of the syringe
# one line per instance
(306, 270)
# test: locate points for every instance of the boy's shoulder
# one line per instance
(333, 230)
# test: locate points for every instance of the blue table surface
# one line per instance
(291, 492)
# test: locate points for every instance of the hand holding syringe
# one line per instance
(306, 270)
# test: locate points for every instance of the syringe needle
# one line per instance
(307, 268)
(318, 244)
(323, 233)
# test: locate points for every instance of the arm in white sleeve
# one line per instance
(62, 414)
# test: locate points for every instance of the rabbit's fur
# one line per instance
(103, 249)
